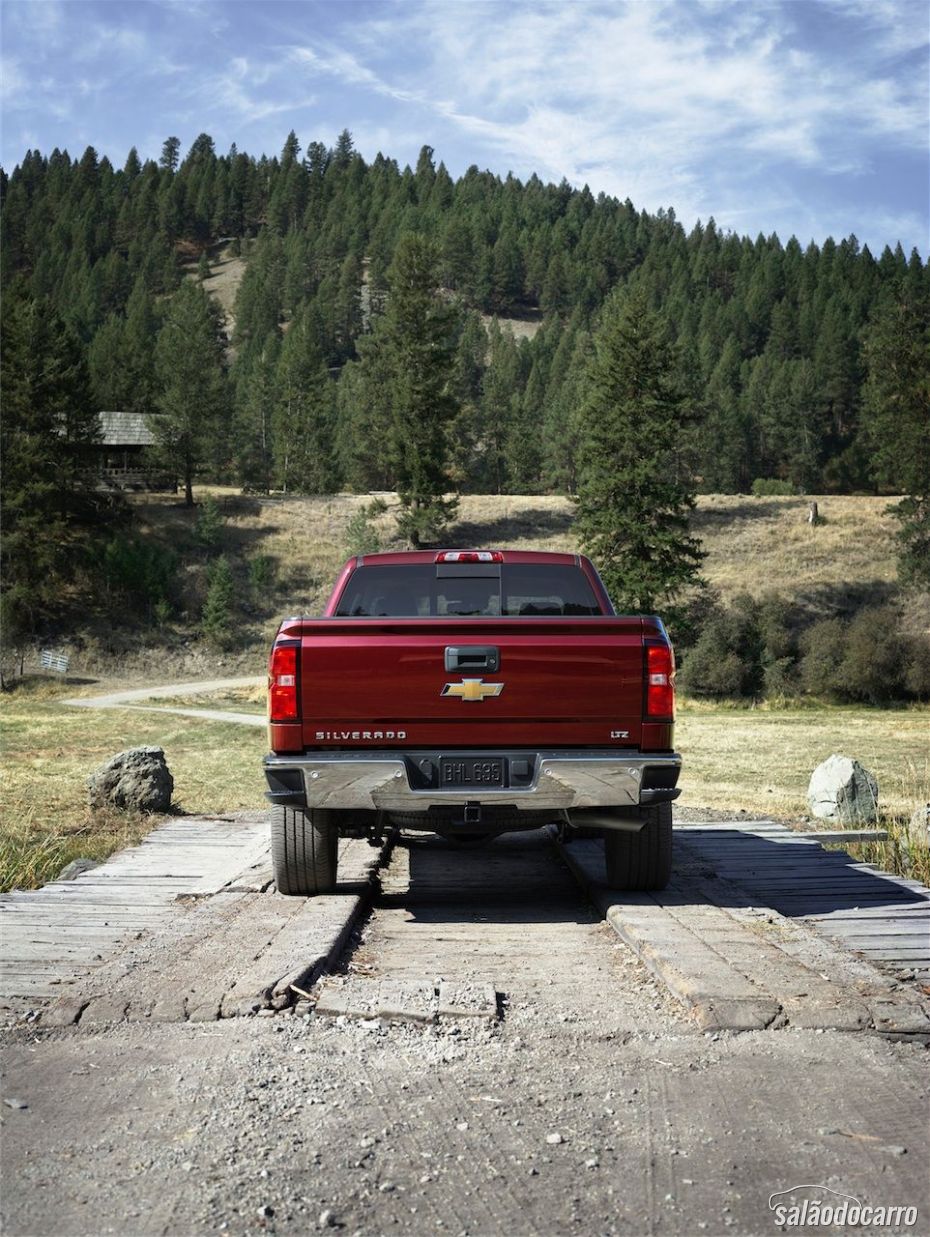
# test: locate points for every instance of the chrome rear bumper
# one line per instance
(379, 780)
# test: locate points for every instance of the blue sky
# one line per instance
(809, 117)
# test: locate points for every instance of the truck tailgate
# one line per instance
(385, 682)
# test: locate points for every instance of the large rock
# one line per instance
(842, 790)
(76, 868)
(918, 827)
(137, 778)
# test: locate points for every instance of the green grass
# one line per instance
(756, 758)
(49, 750)
(760, 759)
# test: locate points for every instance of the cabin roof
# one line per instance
(125, 429)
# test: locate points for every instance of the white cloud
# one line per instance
(716, 107)
(13, 81)
(669, 103)
(244, 88)
(898, 26)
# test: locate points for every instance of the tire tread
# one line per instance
(641, 861)
(304, 843)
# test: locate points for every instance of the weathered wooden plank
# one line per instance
(62, 931)
(912, 910)
(881, 928)
(897, 955)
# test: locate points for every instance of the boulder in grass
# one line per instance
(76, 868)
(918, 827)
(137, 779)
(841, 790)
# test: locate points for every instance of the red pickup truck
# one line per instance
(470, 693)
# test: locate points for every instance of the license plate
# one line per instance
(470, 771)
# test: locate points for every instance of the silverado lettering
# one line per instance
(326, 735)
(439, 635)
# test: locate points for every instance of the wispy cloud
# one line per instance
(664, 102)
(340, 64)
(769, 115)
(242, 88)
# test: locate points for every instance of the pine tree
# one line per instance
(303, 415)
(256, 396)
(217, 618)
(170, 153)
(500, 405)
(635, 496)
(192, 394)
(415, 341)
(47, 426)
(897, 420)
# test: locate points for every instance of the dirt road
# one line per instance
(589, 1101)
(132, 698)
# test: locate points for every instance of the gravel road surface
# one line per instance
(593, 1105)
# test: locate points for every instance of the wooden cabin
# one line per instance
(123, 452)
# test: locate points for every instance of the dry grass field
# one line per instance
(49, 749)
(753, 544)
(758, 759)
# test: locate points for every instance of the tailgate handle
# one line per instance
(473, 657)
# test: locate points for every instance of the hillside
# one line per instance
(754, 545)
(768, 338)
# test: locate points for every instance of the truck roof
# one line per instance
(429, 556)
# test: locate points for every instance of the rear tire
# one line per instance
(643, 860)
(303, 850)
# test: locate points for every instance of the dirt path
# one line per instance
(128, 700)
(595, 1104)
(201, 1087)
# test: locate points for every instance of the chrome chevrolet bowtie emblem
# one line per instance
(472, 689)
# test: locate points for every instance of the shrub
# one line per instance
(873, 663)
(161, 612)
(209, 527)
(686, 622)
(140, 573)
(776, 621)
(917, 667)
(262, 572)
(822, 646)
(361, 535)
(780, 677)
(745, 649)
(217, 611)
(727, 658)
(868, 658)
(767, 487)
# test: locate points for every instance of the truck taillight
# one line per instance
(660, 681)
(283, 703)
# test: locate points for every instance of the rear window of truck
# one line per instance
(425, 590)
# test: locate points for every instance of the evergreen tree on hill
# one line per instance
(304, 412)
(170, 154)
(773, 334)
(192, 393)
(48, 424)
(634, 496)
(414, 343)
(897, 412)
